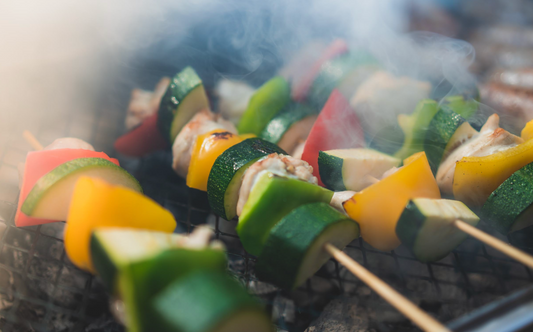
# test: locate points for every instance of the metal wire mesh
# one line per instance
(40, 290)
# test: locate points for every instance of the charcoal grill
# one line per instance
(40, 290)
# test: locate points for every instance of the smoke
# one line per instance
(58, 56)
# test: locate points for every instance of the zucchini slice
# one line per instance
(295, 248)
(335, 72)
(509, 207)
(208, 302)
(140, 281)
(466, 108)
(184, 97)
(225, 178)
(349, 169)
(267, 101)
(426, 227)
(50, 196)
(113, 248)
(271, 198)
(446, 131)
(290, 126)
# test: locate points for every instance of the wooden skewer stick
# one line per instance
(397, 300)
(497, 244)
(28, 136)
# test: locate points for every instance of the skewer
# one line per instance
(401, 303)
(28, 136)
(497, 244)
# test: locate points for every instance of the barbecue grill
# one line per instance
(473, 288)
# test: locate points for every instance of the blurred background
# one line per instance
(67, 69)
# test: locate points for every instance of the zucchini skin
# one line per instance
(289, 241)
(180, 86)
(512, 198)
(103, 264)
(140, 281)
(200, 302)
(409, 225)
(330, 169)
(229, 163)
(440, 130)
(282, 121)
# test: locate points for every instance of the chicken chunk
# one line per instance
(203, 122)
(69, 143)
(145, 103)
(491, 139)
(233, 97)
(278, 164)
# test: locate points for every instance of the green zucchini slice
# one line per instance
(208, 302)
(140, 281)
(426, 227)
(341, 71)
(114, 248)
(349, 169)
(446, 131)
(294, 250)
(184, 97)
(267, 101)
(226, 174)
(50, 196)
(271, 198)
(290, 126)
(509, 207)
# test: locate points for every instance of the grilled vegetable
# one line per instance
(353, 169)
(426, 227)
(50, 196)
(508, 208)
(206, 150)
(208, 302)
(300, 89)
(114, 248)
(476, 178)
(141, 282)
(226, 174)
(290, 126)
(464, 107)
(334, 72)
(527, 132)
(142, 140)
(337, 127)
(38, 164)
(377, 208)
(184, 97)
(96, 203)
(415, 126)
(271, 198)
(446, 131)
(266, 102)
(294, 250)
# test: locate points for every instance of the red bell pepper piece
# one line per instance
(337, 127)
(38, 163)
(302, 86)
(142, 140)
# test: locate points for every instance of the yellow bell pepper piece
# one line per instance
(206, 150)
(96, 203)
(475, 178)
(527, 132)
(378, 208)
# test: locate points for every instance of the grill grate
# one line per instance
(40, 290)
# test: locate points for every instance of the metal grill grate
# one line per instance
(40, 290)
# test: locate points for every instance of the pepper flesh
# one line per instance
(96, 204)
(527, 132)
(378, 208)
(206, 150)
(475, 178)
